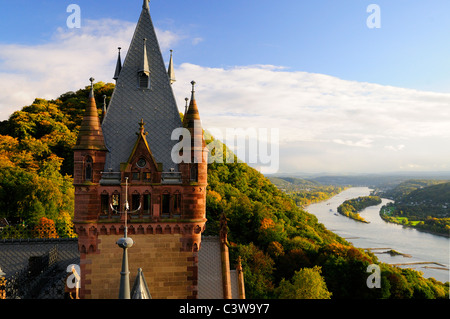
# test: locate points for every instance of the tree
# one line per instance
(307, 283)
(45, 229)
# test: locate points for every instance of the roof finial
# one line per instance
(171, 70)
(118, 66)
(144, 67)
(193, 90)
(91, 94)
(145, 5)
(141, 126)
(186, 106)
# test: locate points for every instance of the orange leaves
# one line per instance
(45, 229)
(267, 223)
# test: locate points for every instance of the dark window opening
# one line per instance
(144, 81)
(104, 198)
(165, 204)
(136, 176)
(88, 169)
(147, 203)
(135, 201)
(177, 203)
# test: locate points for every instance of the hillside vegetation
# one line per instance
(421, 204)
(352, 207)
(285, 251)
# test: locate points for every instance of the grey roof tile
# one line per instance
(129, 104)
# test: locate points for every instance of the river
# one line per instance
(421, 246)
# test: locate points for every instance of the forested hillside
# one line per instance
(423, 204)
(279, 243)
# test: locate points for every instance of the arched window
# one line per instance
(115, 201)
(177, 204)
(165, 205)
(104, 199)
(135, 201)
(88, 169)
(147, 203)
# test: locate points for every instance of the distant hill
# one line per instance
(294, 183)
(438, 194)
(402, 190)
(304, 191)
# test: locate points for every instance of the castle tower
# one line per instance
(133, 148)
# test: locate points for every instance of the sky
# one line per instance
(330, 86)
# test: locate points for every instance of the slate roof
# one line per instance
(210, 284)
(129, 104)
(15, 254)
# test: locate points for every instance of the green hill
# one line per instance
(277, 241)
(405, 188)
(436, 195)
(423, 204)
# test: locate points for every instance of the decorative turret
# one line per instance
(118, 66)
(90, 136)
(198, 160)
(171, 71)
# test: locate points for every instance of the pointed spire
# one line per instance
(90, 136)
(145, 5)
(118, 66)
(140, 288)
(171, 70)
(192, 115)
(144, 64)
(104, 108)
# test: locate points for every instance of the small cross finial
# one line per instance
(141, 127)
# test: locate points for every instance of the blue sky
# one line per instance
(329, 37)
(317, 59)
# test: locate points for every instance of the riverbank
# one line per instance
(352, 207)
(382, 236)
(427, 226)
